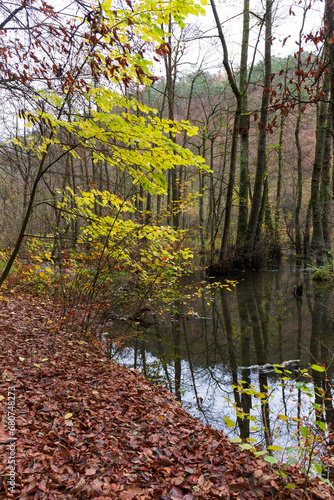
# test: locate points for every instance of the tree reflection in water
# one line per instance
(204, 359)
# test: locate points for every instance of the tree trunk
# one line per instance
(277, 235)
(244, 128)
(230, 188)
(317, 236)
(325, 189)
(170, 67)
(298, 146)
(261, 152)
(233, 158)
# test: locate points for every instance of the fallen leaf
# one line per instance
(81, 486)
(90, 472)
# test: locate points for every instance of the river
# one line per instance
(206, 354)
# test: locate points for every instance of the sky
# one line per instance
(206, 48)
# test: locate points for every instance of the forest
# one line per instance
(148, 152)
(234, 161)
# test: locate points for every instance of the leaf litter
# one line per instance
(87, 428)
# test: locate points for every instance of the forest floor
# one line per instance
(86, 427)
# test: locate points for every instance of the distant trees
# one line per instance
(87, 113)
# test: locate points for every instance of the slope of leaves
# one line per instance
(89, 428)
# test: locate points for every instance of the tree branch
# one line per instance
(12, 15)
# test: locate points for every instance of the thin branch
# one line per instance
(12, 15)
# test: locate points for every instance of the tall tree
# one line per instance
(261, 152)
(323, 108)
(240, 122)
(244, 128)
(297, 137)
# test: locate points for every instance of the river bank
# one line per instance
(83, 427)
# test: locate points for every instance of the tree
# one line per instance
(320, 186)
(297, 139)
(236, 126)
(99, 57)
(240, 127)
(261, 152)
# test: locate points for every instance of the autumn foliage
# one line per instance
(88, 428)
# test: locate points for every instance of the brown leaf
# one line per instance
(32, 485)
(258, 473)
(81, 486)
(175, 494)
(178, 480)
(127, 495)
(64, 451)
(90, 472)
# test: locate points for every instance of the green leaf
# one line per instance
(291, 461)
(305, 431)
(290, 486)
(321, 425)
(270, 459)
(327, 481)
(260, 453)
(318, 368)
(302, 386)
(317, 467)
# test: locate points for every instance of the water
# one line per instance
(203, 356)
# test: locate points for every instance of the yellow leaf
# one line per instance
(68, 415)
(2, 397)
(45, 359)
(21, 359)
(229, 422)
(245, 446)
(50, 321)
(160, 417)
(35, 364)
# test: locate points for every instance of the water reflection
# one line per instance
(204, 359)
